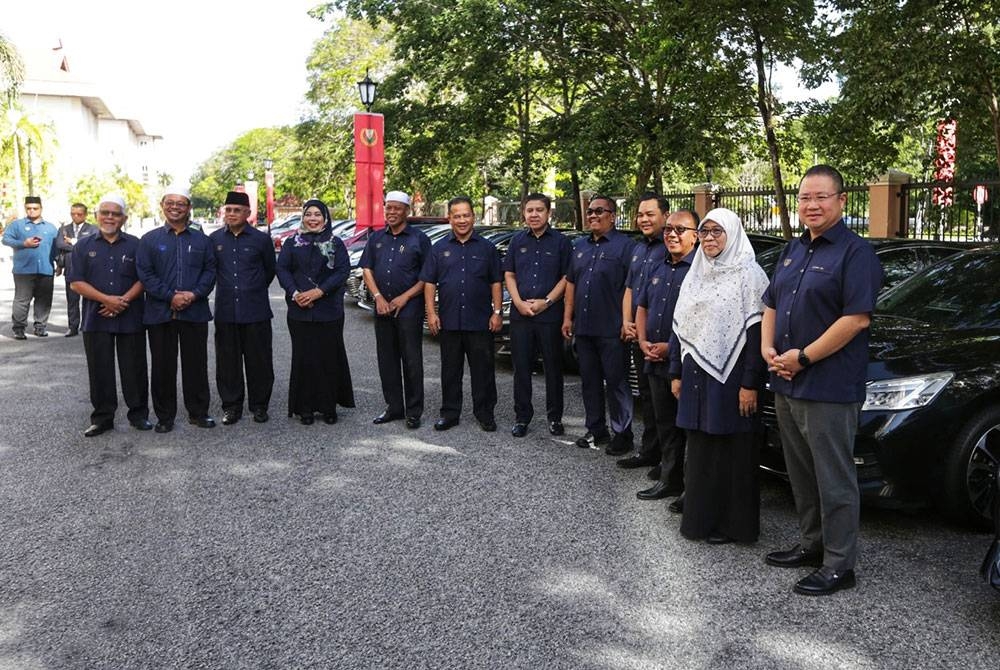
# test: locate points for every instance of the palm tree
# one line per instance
(11, 72)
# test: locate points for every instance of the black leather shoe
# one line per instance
(96, 429)
(260, 415)
(825, 581)
(637, 461)
(556, 428)
(385, 417)
(202, 421)
(413, 422)
(677, 506)
(231, 417)
(519, 430)
(329, 419)
(592, 440)
(659, 491)
(164, 426)
(489, 426)
(142, 424)
(445, 424)
(654, 473)
(621, 444)
(71, 333)
(41, 333)
(794, 558)
(306, 419)
(718, 538)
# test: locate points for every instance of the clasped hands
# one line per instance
(307, 299)
(113, 305)
(532, 307)
(182, 300)
(785, 365)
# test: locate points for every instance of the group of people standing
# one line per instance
(687, 303)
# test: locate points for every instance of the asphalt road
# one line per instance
(356, 546)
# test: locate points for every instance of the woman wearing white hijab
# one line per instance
(716, 375)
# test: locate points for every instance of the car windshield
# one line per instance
(961, 292)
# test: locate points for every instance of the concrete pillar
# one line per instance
(885, 204)
(704, 199)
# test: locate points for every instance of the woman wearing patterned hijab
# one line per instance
(717, 373)
(312, 268)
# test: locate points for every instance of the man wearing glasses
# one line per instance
(244, 259)
(177, 268)
(654, 325)
(651, 217)
(103, 271)
(595, 288)
(814, 338)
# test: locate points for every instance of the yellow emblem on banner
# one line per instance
(369, 137)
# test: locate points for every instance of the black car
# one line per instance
(900, 257)
(930, 424)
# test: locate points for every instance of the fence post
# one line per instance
(884, 204)
(703, 199)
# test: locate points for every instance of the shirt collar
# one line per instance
(832, 235)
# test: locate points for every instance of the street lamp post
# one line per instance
(366, 89)
(269, 192)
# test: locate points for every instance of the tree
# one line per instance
(91, 187)
(11, 72)
(903, 64)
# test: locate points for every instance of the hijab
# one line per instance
(323, 238)
(719, 299)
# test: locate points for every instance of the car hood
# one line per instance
(900, 347)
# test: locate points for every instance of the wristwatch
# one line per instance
(498, 311)
(803, 359)
(547, 301)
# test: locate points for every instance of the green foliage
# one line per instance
(90, 188)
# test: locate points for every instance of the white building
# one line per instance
(89, 137)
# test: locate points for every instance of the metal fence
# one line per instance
(973, 213)
(758, 208)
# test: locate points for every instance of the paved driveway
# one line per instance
(355, 546)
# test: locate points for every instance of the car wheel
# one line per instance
(972, 469)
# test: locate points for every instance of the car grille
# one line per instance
(354, 284)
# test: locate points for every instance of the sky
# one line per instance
(197, 73)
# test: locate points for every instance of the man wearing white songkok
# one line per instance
(717, 376)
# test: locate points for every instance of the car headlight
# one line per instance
(906, 392)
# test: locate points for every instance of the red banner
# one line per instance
(369, 170)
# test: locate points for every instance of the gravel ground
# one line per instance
(357, 546)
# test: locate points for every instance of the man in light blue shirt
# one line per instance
(33, 241)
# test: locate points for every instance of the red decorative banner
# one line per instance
(944, 164)
(369, 170)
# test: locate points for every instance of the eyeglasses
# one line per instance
(819, 198)
(234, 210)
(108, 212)
(705, 233)
(597, 211)
(181, 204)
(676, 230)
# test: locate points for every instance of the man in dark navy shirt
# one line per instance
(391, 264)
(464, 270)
(814, 339)
(177, 268)
(535, 272)
(103, 272)
(651, 216)
(69, 235)
(592, 314)
(654, 325)
(244, 259)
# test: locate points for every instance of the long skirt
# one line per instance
(320, 377)
(721, 490)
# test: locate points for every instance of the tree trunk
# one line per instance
(765, 105)
(574, 177)
(995, 120)
(525, 119)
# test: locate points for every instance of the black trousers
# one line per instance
(28, 288)
(240, 346)
(650, 443)
(192, 341)
(528, 339)
(73, 309)
(100, 349)
(400, 352)
(476, 347)
(672, 439)
(604, 362)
